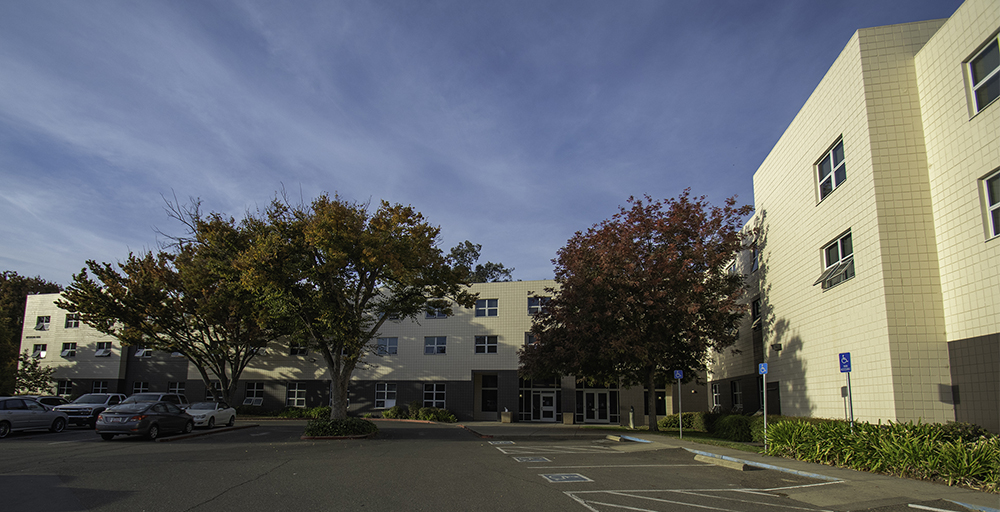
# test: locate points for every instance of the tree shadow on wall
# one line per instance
(779, 344)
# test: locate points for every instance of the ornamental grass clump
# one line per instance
(340, 428)
(963, 454)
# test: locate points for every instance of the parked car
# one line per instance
(148, 419)
(19, 413)
(50, 401)
(174, 398)
(85, 409)
(207, 414)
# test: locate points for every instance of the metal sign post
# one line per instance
(762, 370)
(845, 367)
(679, 374)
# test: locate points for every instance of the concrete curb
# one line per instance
(738, 466)
(978, 508)
(763, 465)
(337, 438)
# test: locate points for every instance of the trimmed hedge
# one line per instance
(344, 427)
(415, 412)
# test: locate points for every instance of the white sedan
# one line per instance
(207, 414)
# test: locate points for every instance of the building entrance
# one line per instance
(543, 406)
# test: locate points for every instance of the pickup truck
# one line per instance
(85, 409)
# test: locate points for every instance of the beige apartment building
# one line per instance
(466, 362)
(878, 218)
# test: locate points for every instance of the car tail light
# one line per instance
(138, 417)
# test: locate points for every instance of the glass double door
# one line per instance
(595, 407)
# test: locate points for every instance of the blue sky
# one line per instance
(512, 124)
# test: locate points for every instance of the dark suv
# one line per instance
(84, 410)
(174, 398)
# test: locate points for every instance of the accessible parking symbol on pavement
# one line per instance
(561, 478)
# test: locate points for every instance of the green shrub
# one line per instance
(414, 409)
(253, 410)
(694, 421)
(734, 427)
(965, 432)
(435, 414)
(915, 450)
(395, 412)
(344, 427)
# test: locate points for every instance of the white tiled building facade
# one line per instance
(885, 192)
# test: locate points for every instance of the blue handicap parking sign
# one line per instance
(845, 362)
(678, 374)
(762, 368)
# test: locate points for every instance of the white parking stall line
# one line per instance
(529, 450)
(671, 499)
(603, 466)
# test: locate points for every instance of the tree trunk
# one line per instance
(338, 409)
(651, 399)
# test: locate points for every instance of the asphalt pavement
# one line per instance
(849, 489)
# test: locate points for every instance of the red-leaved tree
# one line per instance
(641, 294)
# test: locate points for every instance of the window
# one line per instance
(754, 258)
(992, 184)
(99, 386)
(435, 313)
(72, 320)
(839, 260)
(64, 387)
(217, 386)
(435, 345)
(486, 344)
(737, 393)
(387, 346)
(254, 393)
(42, 323)
(103, 349)
(140, 387)
(984, 71)
(831, 169)
(486, 307)
(175, 387)
(716, 397)
(731, 270)
(143, 352)
(537, 304)
(529, 339)
(755, 314)
(434, 395)
(296, 349)
(488, 393)
(38, 351)
(385, 395)
(68, 350)
(295, 396)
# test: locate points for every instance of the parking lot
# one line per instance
(407, 467)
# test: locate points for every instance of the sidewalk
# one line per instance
(847, 486)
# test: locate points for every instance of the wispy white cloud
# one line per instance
(511, 124)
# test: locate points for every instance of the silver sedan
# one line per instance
(17, 413)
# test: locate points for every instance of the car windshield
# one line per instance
(208, 406)
(90, 399)
(129, 408)
(142, 397)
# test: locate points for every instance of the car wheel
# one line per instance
(153, 432)
(107, 437)
(231, 422)
(58, 425)
(211, 422)
(4, 429)
(189, 427)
